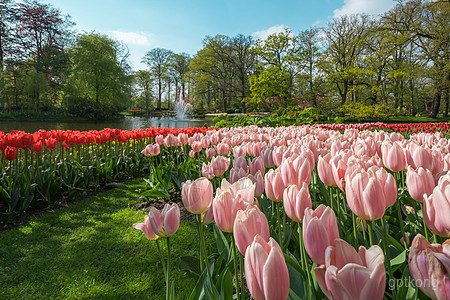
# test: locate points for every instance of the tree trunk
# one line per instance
(436, 102)
(446, 99)
(158, 106)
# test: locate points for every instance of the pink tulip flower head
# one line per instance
(295, 201)
(197, 195)
(266, 271)
(419, 183)
(348, 274)
(258, 180)
(393, 156)
(235, 174)
(268, 159)
(274, 185)
(146, 228)
(320, 229)
(159, 139)
(436, 208)
(223, 149)
(429, 265)
(365, 196)
(324, 170)
(240, 163)
(219, 165)
(210, 153)
(247, 225)
(151, 150)
(255, 165)
(225, 208)
(166, 222)
(207, 171)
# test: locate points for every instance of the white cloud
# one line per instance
(134, 38)
(263, 34)
(371, 7)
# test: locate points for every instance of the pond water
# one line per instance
(128, 123)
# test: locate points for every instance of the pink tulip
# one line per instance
(388, 183)
(365, 196)
(266, 271)
(219, 165)
(239, 151)
(274, 185)
(255, 165)
(170, 140)
(419, 182)
(268, 159)
(295, 201)
(422, 157)
(210, 153)
(183, 137)
(196, 146)
(393, 156)
(324, 170)
(240, 163)
(348, 274)
(197, 195)
(320, 229)
(243, 189)
(338, 168)
(277, 155)
(151, 150)
(235, 175)
(258, 180)
(207, 171)
(166, 222)
(225, 208)
(436, 208)
(223, 149)
(429, 265)
(146, 228)
(209, 215)
(191, 154)
(247, 225)
(159, 139)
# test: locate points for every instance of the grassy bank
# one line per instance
(90, 250)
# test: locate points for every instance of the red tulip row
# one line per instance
(11, 142)
(355, 198)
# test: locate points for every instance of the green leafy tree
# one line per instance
(143, 88)
(158, 61)
(98, 84)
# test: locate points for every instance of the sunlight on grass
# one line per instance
(90, 250)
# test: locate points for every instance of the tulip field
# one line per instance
(338, 211)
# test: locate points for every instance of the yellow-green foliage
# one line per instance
(360, 110)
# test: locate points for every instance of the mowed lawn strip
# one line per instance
(90, 250)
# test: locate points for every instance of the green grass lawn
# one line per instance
(90, 251)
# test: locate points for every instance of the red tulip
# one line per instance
(266, 271)
(429, 265)
(10, 153)
(247, 225)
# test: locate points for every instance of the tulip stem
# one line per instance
(199, 223)
(400, 220)
(303, 259)
(355, 234)
(425, 230)
(205, 255)
(278, 207)
(168, 270)
(161, 256)
(236, 268)
(241, 270)
(370, 230)
(331, 198)
(386, 251)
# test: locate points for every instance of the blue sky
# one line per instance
(181, 25)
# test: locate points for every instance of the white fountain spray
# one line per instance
(181, 107)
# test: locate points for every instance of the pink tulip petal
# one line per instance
(276, 276)
(374, 288)
(353, 278)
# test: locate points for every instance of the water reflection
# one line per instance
(128, 123)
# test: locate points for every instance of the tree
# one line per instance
(144, 83)
(345, 39)
(158, 61)
(98, 82)
(178, 68)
